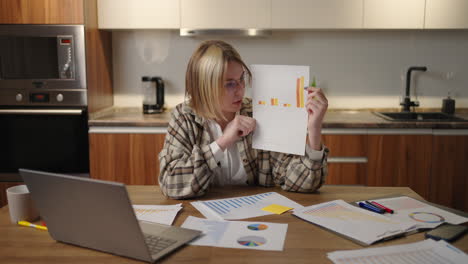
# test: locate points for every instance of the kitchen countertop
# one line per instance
(362, 118)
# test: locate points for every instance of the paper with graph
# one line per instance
(278, 100)
(162, 214)
(242, 207)
(238, 234)
(423, 252)
(356, 223)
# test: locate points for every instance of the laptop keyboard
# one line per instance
(156, 244)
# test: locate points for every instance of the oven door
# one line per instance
(54, 140)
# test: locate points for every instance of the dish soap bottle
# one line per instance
(448, 105)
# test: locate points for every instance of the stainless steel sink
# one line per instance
(419, 117)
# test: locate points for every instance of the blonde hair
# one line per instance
(204, 77)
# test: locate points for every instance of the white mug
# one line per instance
(20, 204)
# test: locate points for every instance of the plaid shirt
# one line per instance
(187, 163)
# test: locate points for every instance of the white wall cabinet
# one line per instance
(141, 14)
(316, 14)
(225, 14)
(446, 14)
(394, 14)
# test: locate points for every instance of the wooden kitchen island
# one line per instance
(305, 242)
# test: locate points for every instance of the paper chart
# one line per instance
(279, 107)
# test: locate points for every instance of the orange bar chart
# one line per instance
(261, 102)
(274, 101)
(300, 92)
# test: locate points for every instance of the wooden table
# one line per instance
(305, 242)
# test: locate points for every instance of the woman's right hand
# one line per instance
(240, 126)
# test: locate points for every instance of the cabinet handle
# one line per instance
(347, 160)
(41, 111)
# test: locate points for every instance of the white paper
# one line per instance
(422, 215)
(238, 234)
(242, 207)
(423, 252)
(280, 126)
(162, 214)
(354, 222)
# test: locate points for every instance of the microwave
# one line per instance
(42, 65)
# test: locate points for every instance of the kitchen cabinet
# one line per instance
(316, 14)
(446, 14)
(400, 159)
(394, 14)
(225, 14)
(41, 12)
(347, 160)
(142, 14)
(3, 187)
(449, 173)
(130, 158)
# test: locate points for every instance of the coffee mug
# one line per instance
(20, 204)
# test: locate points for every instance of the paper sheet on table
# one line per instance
(423, 252)
(242, 207)
(278, 101)
(353, 222)
(162, 214)
(422, 215)
(238, 234)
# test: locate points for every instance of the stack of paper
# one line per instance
(427, 251)
(162, 214)
(239, 234)
(242, 207)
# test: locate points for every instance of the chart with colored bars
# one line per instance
(299, 96)
(225, 206)
(337, 211)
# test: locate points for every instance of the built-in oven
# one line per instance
(43, 100)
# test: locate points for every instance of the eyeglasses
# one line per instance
(231, 85)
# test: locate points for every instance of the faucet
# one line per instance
(407, 103)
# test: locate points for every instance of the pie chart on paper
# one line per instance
(257, 227)
(251, 241)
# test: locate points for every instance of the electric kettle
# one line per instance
(153, 95)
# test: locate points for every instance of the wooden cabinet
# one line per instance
(3, 187)
(310, 14)
(41, 12)
(394, 14)
(446, 14)
(225, 14)
(347, 161)
(400, 160)
(449, 173)
(126, 158)
(142, 14)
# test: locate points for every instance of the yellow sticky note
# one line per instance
(276, 208)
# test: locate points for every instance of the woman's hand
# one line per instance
(316, 106)
(240, 126)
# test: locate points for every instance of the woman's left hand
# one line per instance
(316, 106)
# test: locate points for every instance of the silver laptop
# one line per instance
(98, 215)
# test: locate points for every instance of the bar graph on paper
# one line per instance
(299, 96)
(244, 206)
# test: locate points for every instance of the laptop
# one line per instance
(98, 215)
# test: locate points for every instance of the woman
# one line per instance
(209, 138)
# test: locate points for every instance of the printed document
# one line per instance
(424, 252)
(162, 214)
(242, 207)
(238, 234)
(278, 101)
(356, 223)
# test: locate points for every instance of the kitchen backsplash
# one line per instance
(357, 69)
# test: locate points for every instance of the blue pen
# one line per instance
(371, 208)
